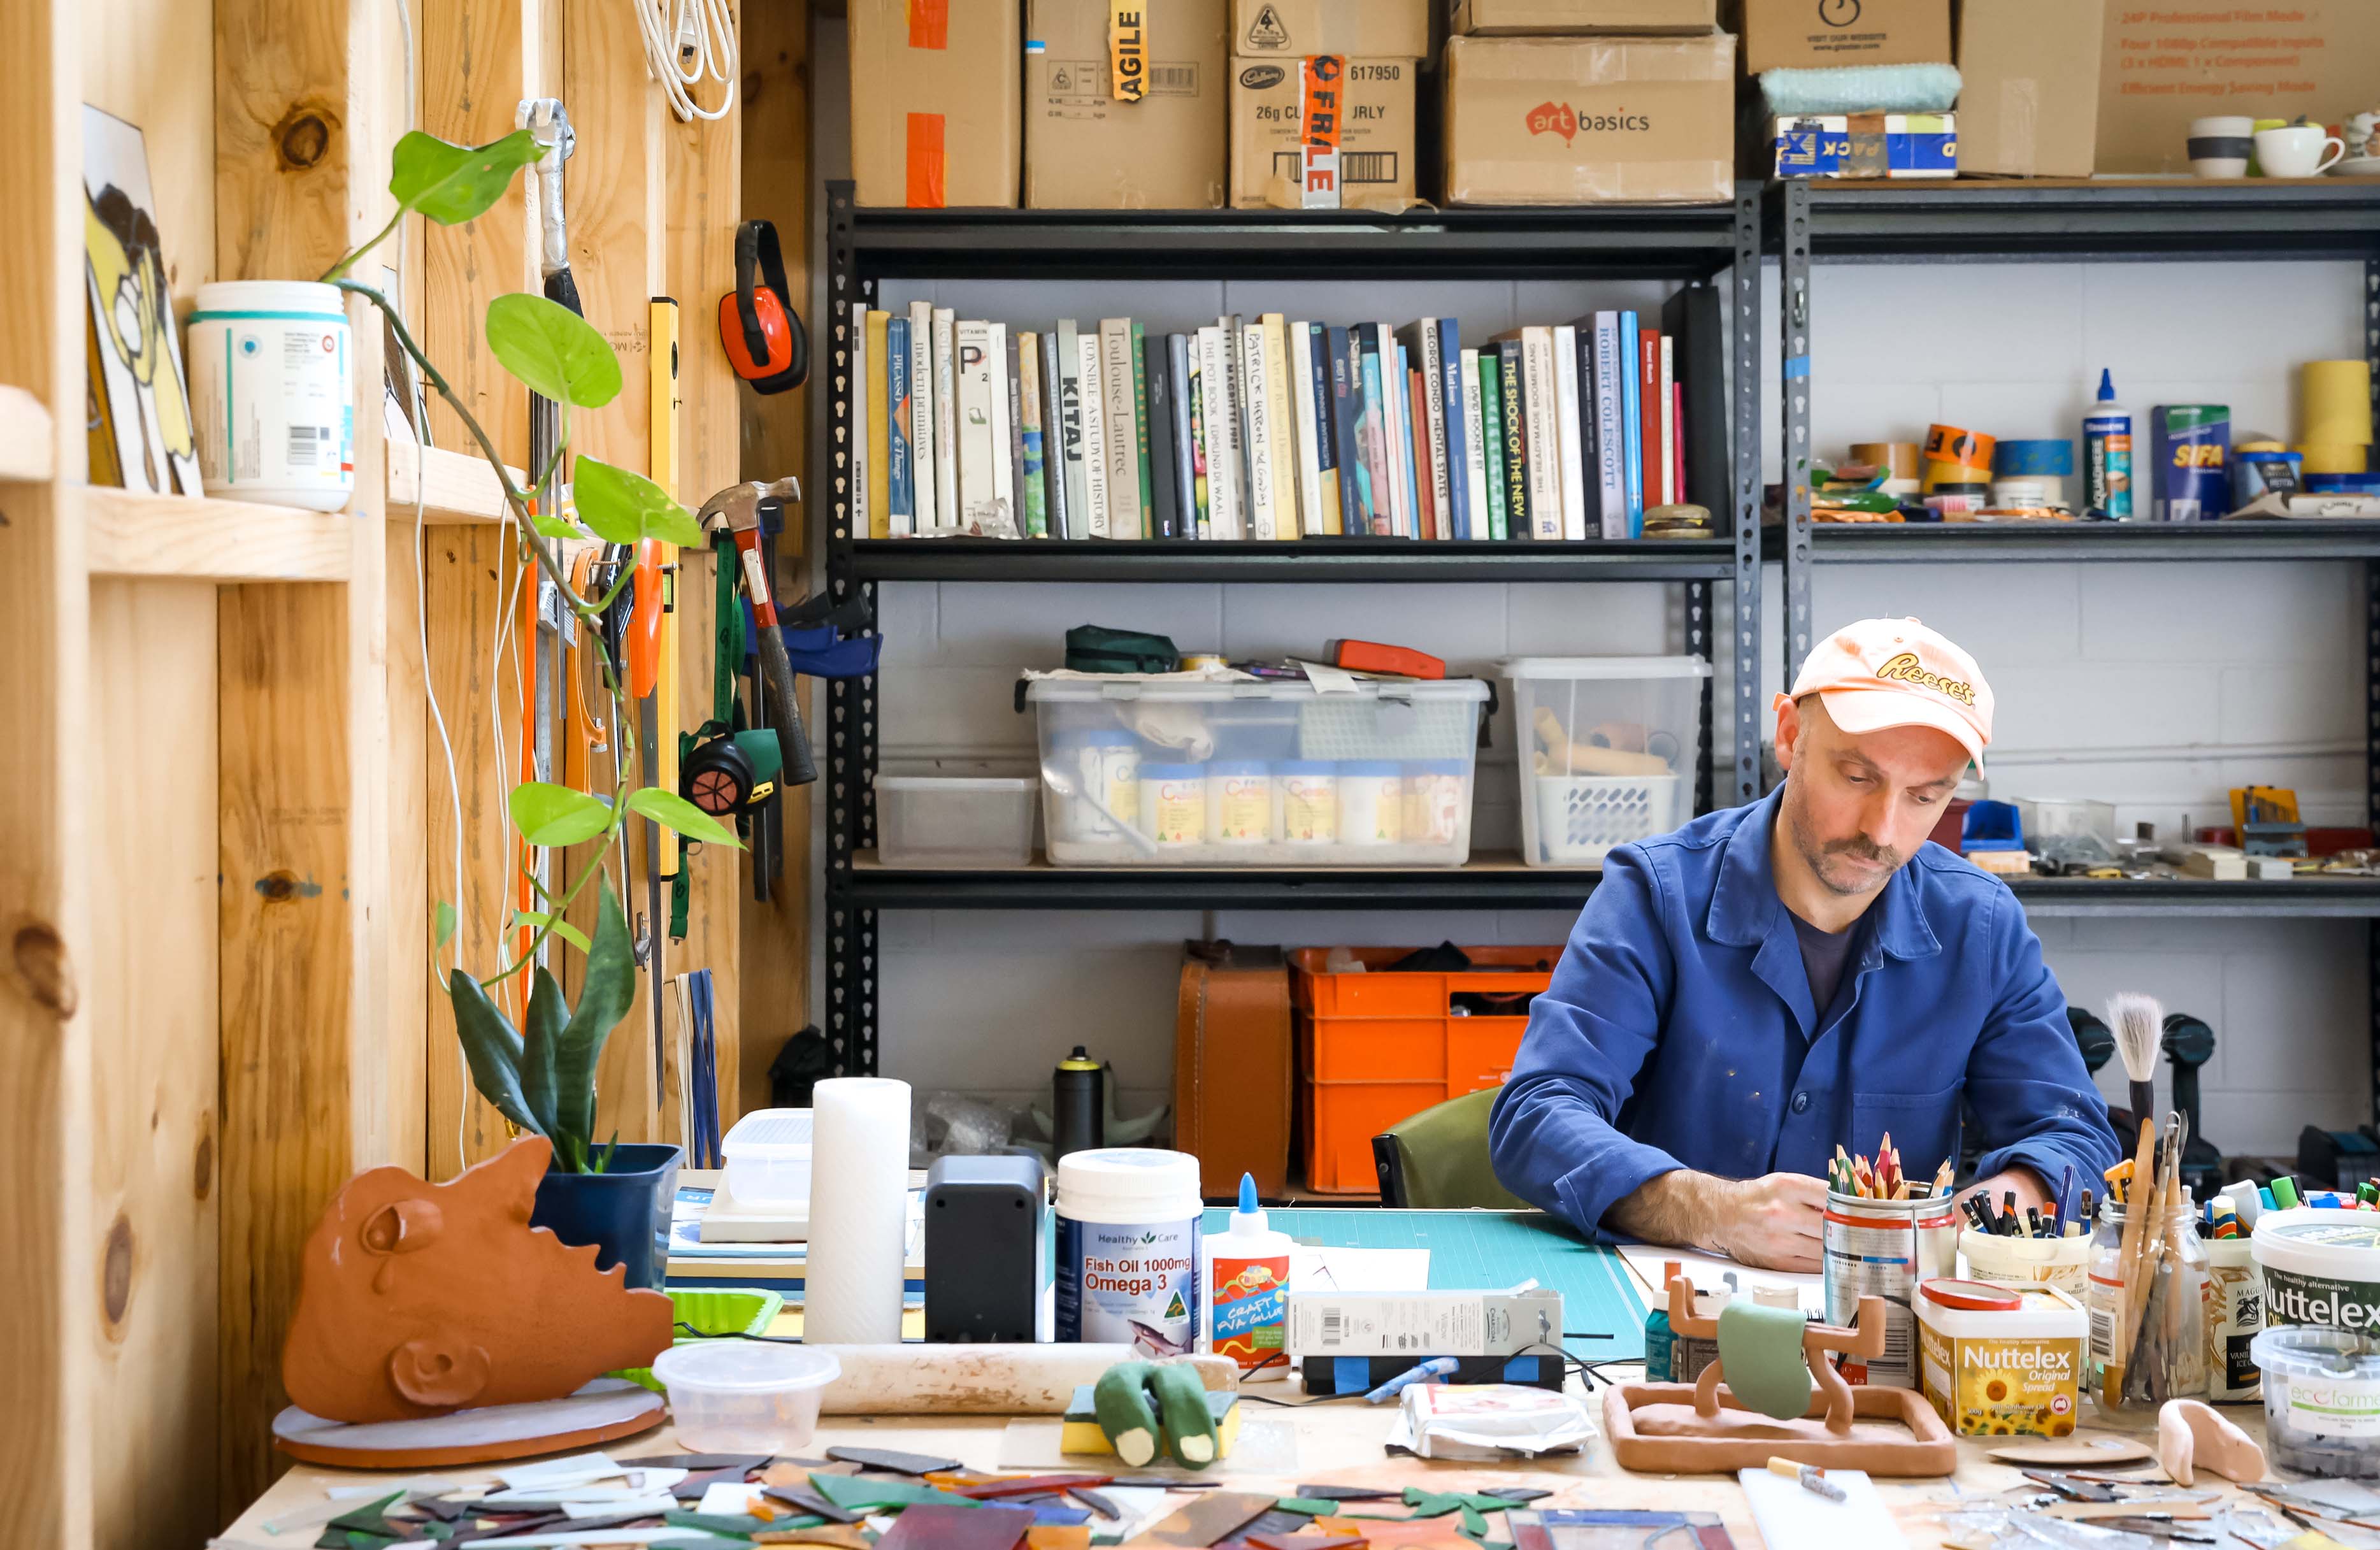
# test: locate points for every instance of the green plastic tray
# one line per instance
(718, 1312)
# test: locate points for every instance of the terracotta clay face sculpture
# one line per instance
(418, 1299)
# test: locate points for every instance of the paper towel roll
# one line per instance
(860, 1211)
(2338, 403)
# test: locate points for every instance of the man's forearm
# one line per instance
(1680, 1207)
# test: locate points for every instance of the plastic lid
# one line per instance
(1172, 771)
(747, 1366)
(1979, 1295)
(1362, 767)
(1238, 767)
(2106, 385)
(769, 1132)
(1305, 767)
(1603, 667)
(1125, 1176)
(1438, 766)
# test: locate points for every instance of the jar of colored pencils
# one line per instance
(2148, 1309)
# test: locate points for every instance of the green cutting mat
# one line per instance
(1490, 1248)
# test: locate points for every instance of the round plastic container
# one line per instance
(744, 1396)
(2002, 1361)
(1437, 799)
(2320, 1267)
(2322, 1400)
(1173, 803)
(272, 392)
(1371, 803)
(1100, 767)
(1128, 1249)
(2063, 1263)
(768, 1155)
(1239, 801)
(1308, 792)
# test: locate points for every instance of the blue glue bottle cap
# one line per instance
(1249, 1217)
(2106, 385)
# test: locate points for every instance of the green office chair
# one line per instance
(1438, 1159)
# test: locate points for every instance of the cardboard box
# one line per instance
(1375, 28)
(1491, 19)
(1866, 145)
(2030, 104)
(1376, 136)
(2159, 70)
(936, 111)
(1819, 34)
(1420, 1323)
(1590, 120)
(1085, 149)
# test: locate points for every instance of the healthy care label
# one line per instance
(1128, 1249)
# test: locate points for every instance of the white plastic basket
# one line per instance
(1580, 817)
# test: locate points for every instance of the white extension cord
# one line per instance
(695, 42)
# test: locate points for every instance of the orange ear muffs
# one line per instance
(762, 334)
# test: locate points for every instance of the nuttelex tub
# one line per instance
(2001, 1361)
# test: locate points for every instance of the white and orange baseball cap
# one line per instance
(1896, 672)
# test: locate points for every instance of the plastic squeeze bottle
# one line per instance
(1247, 1281)
(2108, 453)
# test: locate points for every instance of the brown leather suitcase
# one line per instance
(1232, 1063)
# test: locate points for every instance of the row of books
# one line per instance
(1264, 429)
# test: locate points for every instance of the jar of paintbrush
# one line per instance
(2147, 1305)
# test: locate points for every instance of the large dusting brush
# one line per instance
(2139, 1025)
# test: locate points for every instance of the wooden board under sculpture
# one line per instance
(419, 1300)
(1788, 1402)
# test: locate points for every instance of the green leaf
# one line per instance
(555, 526)
(622, 507)
(554, 350)
(562, 928)
(452, 184)
(603, 1163)
(672, 811)
(443, 920)
(494, 1050)
(551, 815)
(606, 991)
(540, 1043)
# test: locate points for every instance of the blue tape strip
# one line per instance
(1797, 368)
(2035, 458)
(1521, 1369)
(1351, 1374)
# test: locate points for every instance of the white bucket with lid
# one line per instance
(2321, 1266)
(1128, 1220)
(272, 400)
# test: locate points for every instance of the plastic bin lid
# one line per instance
(1172, 771)
(769, 1134)
(1128, 685)
(953, 784)
(1603, 667)
(1438, 767)
(1094, 737)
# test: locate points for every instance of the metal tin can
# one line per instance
(1883, 1248)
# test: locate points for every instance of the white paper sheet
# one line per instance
(1709, 1273)
(1330, 1270)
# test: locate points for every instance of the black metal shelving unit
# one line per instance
(1717, 245)
(1810, 224)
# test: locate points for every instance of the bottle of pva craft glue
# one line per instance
(2108, 453)
(1247, 1281)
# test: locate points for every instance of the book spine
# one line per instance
(979, 487)
(1053, 439)
(1678, 440)
(1313, 519)
(1226, 485)
(1008, 450)
(1201, 500)
(1631, 430)
(922, 495)
(1371, 440)
(1666, 395)
(1649, 397)
(1125, 518)
(861, 413)
(1417, 461)
(1347, 372)
(1288, 517)
(1511, 376)
(1545, 439)
(1164, 502)
(902, 519)
(1474, 444)
(1566, 424)
(1182, 465)
(1393, 435)
(1491, 443)
(946, 419)
(1325, 424)
(1263, 500)
(1459, 439)
(879, 429)
(1098, 515)
(1140, 434)
(1070, 429)
(1430, 447)
(1590, 443)
(1611, 449)
(1033, 476)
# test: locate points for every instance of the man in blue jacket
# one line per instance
(1769, 983)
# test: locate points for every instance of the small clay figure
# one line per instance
(2193, 1436)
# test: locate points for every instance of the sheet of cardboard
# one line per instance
(1590, 120)
(1385, 29)
(2030, 106)
(936, 105)
(1086, 150)
(1818, 34)
(1489, 19)
(2159, 70)
(1376, 136)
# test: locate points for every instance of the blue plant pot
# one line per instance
(624, 1212)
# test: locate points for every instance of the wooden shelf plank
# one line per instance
(456, 486)
(135, 533)
(28, 449)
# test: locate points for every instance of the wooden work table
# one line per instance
(1337, 1443)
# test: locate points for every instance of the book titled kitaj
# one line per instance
(1866, 145)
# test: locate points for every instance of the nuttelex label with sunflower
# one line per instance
(1251, 1309)
(2012, 1370)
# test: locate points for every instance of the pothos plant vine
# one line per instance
(541, 1077)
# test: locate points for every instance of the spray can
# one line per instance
(1248, 1290)
(2108, 453)
(1078, 1103)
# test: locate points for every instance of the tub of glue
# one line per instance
(2322, 1400)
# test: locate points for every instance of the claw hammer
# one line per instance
(736, 511)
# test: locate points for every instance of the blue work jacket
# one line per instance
(1678, 1032)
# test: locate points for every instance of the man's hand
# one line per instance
(1769, 1223)
(2030, 1190)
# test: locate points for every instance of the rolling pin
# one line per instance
(983, 1380)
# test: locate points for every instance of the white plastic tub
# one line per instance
(744, 1396)
(1610, 748)
(1171, 771)
(768, 1158)
(933, 820)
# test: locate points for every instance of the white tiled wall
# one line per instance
(2155, 686)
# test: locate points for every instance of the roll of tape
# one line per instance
(2335, 458)
(1956, 443)
(1938, 474)
(1901, 488)
(2032, 490)
(1899, 457)
(2338, 403)
(2033, 459)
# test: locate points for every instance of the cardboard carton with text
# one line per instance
(2030, 103)
(1378, 28)
(1085, 147)
(1590, 120)
(2164, 64)
(1376, 132)
(1820, 34)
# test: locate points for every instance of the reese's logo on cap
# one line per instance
(1906, 669)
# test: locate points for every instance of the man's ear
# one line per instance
(1789, 731)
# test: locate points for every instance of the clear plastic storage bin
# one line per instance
(932, 820)
(768, 1153)
(1177, 772)
(1610, 748)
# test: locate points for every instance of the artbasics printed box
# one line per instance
(1590, 120)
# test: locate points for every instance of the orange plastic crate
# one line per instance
(1375, 1049)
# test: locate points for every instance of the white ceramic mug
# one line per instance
(2298, 151)
(2219, 146)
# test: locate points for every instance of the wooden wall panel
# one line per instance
(152, 66)
(618, 224)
